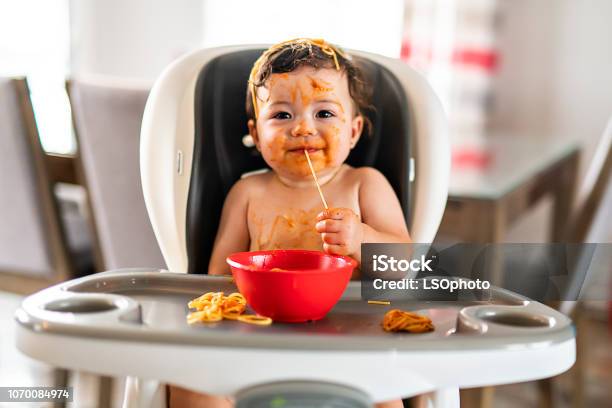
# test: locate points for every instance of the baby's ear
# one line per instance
(356, 129)
(253, 132)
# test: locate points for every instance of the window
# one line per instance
(35, 42)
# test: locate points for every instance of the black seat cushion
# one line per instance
(220, 158)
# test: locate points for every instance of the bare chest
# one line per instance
(277, 220)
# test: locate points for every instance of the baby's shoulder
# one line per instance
(364, 175)
(252, 183)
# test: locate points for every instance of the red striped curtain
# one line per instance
(452, 42)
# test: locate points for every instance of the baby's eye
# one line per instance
(281, 115)
(324, 114)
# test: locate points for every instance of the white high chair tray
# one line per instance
(132, 323)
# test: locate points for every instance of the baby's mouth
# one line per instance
(300, 149)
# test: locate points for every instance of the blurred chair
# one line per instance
(107, 117)
(593, 188)
(35, 249)
(590, 197)
(589, 200)
(34, 242)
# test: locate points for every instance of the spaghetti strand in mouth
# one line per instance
(314, 176)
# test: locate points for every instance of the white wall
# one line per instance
(555, 74)
(524, 85)
(555, 78)
(138, 38)
(366, 25)
(135, 38)
(583, 101)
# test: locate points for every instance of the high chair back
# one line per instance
(192, 148)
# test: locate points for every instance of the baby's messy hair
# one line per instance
(288, 56)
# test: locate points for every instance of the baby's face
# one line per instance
(306, 109)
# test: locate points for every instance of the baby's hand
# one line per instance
(341, 231)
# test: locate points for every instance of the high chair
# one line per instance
(194, 122)
(191, 154)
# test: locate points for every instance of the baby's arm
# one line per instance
(381, 212)
(233, 233)
(382, 219)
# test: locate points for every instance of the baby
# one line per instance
(305, 95)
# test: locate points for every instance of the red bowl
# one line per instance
(291, 285)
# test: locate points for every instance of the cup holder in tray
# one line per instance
(516, 319)
(87, 307)
(489, 319)
(79, 304)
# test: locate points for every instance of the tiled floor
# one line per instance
(19, 370)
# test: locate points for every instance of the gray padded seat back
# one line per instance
(23, 235)
(107, 121)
